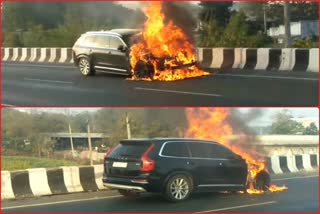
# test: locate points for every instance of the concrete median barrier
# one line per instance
(62, 180)
(292, 163)
(38, 55)
(40, 181)
(269, 59)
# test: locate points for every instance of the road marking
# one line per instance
(59, 202)
(7, 105)
(36, 65)
(291, 178)
(49, 81)
(235, 207)
(178, 92)
(268, 77)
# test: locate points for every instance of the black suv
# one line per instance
(175, 167)
(106, 51)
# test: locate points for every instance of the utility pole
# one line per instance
(71, 140)
(89, 142)
(287, 24)
(67, 111)
(128, 126)
(265, 18)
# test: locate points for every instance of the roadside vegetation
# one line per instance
(11, 163)
(26, 143)
(218, 24)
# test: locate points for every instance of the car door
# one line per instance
(233, 166)
(101, 52)
(119, 59)
(209, 169)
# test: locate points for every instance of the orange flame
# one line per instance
(166, 41)
(212, 124)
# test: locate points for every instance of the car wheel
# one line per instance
(128, 193)
(178, 188)
(85, 67)
(262, 181)
(144, 70)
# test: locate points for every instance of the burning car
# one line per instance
(177, 167)
(160, 51)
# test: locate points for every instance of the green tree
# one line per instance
(219, 11)
(312, 129)
(283, 124)
(210, 34)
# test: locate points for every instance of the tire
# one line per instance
(85, 67)
(178, 188)
(144, 70)
(128, 193)
(262, 181)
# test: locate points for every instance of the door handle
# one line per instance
(222, 164)
(190, 163)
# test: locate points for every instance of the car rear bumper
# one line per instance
(126, 187)
(142, 184)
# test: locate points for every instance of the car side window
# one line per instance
(102, 41)
(207, 150)
(222, 152)
(175, 149)
(115, 42)
(89, 41)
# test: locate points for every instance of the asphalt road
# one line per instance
(302, 196)
(63, 85)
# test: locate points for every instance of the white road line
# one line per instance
(178, 92)
(268, 77)
(7, 105)
(59, 202)
(235, 207)
(49, 81)
(282, 179)
(34, 65)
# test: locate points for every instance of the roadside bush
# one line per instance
(305, 43)
(11, 39)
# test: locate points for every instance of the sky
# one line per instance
(265, 119)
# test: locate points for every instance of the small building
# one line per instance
(80, 140)
(299, 30)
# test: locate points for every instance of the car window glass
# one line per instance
(115, 42)
(89, 40)
(129, 150)
(222, 152)
(207, 150)
(200, 150)
(176, 149)
(102, 41)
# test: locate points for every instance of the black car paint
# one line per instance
(114, 60)
(208, 174)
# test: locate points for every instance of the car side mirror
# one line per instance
(122, 48)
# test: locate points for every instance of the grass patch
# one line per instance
(20, 162)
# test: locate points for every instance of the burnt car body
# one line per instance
(175, 167)
(109, 51)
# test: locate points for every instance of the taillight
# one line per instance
(147, 163)
(109, 152)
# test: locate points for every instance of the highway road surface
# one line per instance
(302, 196)
(62, 85)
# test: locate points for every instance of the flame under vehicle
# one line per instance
(177, 167)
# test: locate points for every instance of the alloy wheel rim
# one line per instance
(84, 66)
(179, 188)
